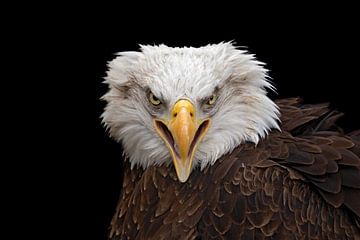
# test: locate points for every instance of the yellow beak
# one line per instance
(182, 134)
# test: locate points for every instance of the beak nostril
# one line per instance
(191, 114)
(175, 114)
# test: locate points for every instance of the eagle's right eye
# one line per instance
(211, 100)
(154, 100)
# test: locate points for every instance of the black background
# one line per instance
(311, 53)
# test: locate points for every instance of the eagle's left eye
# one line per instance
(211, 100)
(154, 100)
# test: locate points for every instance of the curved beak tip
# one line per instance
(183, 178)
(182, 135)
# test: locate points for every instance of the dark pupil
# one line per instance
(155, 98)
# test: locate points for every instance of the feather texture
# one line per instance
(239, 80)
(300, 183)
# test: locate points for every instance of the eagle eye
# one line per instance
(154, 100)
(211, 100)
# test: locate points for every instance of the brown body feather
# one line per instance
(300, 183)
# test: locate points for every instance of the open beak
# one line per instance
(182, 134)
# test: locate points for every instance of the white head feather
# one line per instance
(242, 112)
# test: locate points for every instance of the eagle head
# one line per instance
(188, 106)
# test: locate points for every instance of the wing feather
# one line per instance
(300, 183)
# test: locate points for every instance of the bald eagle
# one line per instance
(209, 156)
